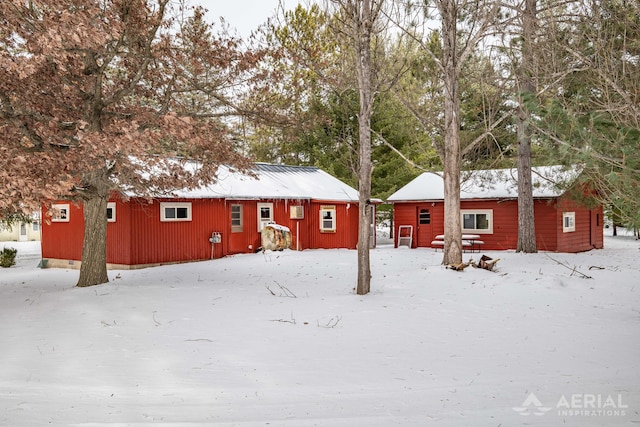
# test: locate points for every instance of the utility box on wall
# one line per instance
(216, 237)
(296, 212)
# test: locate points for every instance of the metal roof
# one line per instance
(275, 182)
(548, 182)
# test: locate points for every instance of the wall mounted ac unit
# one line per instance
(296, 212)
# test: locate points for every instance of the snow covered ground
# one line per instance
(281, 339)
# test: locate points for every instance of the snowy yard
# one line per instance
(209, 343)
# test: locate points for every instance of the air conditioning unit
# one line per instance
(296, 212)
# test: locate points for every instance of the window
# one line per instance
(175, 212)
(265, 215)
(327, 219)
(60, 212)
(568, 222)
(35, 226)
(424, 216)
(477, 221)
(236, 218)
(111, 212)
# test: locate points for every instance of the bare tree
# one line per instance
(359, 22)
(463, 25)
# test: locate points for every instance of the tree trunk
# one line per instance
(363, 66)
(526, 218)
(93, 270)
(452, 157)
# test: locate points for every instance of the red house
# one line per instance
(489, 208)
(214, 221)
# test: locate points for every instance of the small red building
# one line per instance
(214, 221)
(489, 208)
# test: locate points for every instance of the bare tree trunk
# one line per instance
(526, 218)
(93, 270)
(363, 71)
(452, 158)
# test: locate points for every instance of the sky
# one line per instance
(244, 15)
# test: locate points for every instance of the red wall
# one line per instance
(138, 237)
(548, 217)
(63, 240)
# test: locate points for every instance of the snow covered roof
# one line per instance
(548, 181)
(275, 182)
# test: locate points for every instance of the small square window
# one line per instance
(568, 222)
(60, 212)
(175, 212)
(111, 212)
(328, 219)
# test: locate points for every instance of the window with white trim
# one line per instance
(328, 219)
(236, 219)
(477, 221)
(265, 215)
(111, 212)
(568, 222)
(170, 212)
(60, 212)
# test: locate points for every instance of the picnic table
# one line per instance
(468, 241)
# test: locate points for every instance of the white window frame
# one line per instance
(174, 205)
(112, 206)
(35, 226)
(568, 222)
(239, 227)
(57, 211)
(475, 212)
(331, 209)
(264, 221)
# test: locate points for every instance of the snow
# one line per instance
(548, 181)
(277, 182)
(280, 339)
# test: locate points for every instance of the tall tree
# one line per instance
(111, 96)
(526, 89)
(360, 21)
(463, 25)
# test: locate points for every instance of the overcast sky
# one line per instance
(243, 15)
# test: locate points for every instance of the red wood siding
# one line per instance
(346, 234)
(584, 237)
(118, 235)
(139, 237)
(548, 217)
(63, 240)
(154, 241)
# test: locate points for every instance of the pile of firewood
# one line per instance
(485, 262)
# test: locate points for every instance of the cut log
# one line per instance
(486, 263)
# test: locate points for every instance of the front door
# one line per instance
(424, 234)
(265, 215)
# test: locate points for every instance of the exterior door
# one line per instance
(265, 215)
(424, 234)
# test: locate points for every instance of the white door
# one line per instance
(265, 215)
